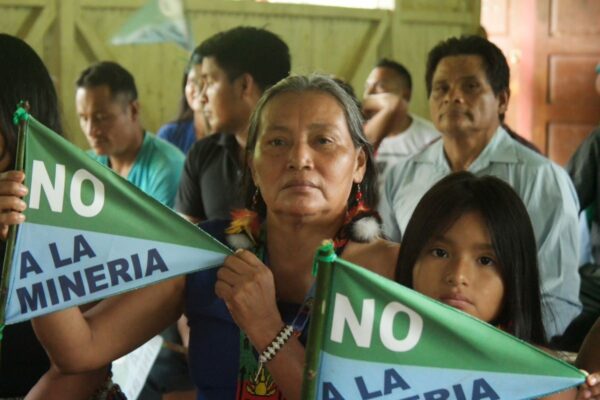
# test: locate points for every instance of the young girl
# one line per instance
(470, 244)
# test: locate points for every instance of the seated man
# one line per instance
(236, 67)
(391, 128)
(467, 83)
(109, 115)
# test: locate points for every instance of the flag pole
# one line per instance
(323, 268)
(20, 118)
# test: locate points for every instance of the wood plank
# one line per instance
(23, 3)
(455, 18)
(41, 25)
(360, 62)
(100, 50)
(66, 19)
(250, 8)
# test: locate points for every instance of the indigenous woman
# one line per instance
(313, 179)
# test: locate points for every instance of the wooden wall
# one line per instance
(71, 34)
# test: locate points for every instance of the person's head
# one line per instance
(307, 151)
(108, 109)
(388, 76)
(467, 81)
(470, 244)
(192, 83)
(23, 76)
(236, 67)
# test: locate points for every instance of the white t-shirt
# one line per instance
(406, 144)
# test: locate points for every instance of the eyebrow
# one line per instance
(315, 126)
(445, 240)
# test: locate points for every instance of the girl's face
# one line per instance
(460, 268)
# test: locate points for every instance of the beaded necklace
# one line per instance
(254, 381)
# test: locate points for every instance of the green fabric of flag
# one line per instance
(158, 21)
(90, 234)
(373, 338)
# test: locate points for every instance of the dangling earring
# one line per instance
(358, 197)
(358, 204)
(255, 199)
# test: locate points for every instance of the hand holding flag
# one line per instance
(373, 338)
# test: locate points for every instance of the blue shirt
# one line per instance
(214, 350)
(544, 187)
(156, 170)
(180, 134)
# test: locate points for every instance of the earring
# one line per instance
(358, 196)
(255, 199)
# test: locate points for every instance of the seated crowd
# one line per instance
(465, 212)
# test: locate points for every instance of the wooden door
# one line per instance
(567, 49)
(508, 24)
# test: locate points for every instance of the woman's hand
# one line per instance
(11, 204)
(248, 289)
(591, 388)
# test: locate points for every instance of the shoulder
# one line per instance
(216, 229)
(163, 151)
(379, 256)
(167, 130)
(207, 148)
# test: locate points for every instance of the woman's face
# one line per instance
(460, 268)
(193, 88)
(305, 162)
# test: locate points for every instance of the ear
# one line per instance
(134, 108)
(249, 89)
(503, 98)
(361, 166)
(406, 94)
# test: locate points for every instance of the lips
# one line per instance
(299, 183)
(457, 300)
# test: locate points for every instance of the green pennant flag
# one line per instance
(158, 21)
(371, 338)
(89, 233)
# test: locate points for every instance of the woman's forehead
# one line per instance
(311, 103)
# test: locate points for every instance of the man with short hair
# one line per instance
(237, 66)
(109, 115)
(467, 83)
(391, 128)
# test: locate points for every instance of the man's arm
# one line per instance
(383, 112)
(553, 207)
(188, 202)
(583, 168)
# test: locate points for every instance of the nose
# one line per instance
(90, 128)
(300, 156)
(454, 94)
(201, 91)
(457, 272)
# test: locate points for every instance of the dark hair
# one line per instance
(23, 76)
(397, 68)
(326, 85)
(109, 73)
(512, 237)
(496, 67)
(245, 49)
(349, 89)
